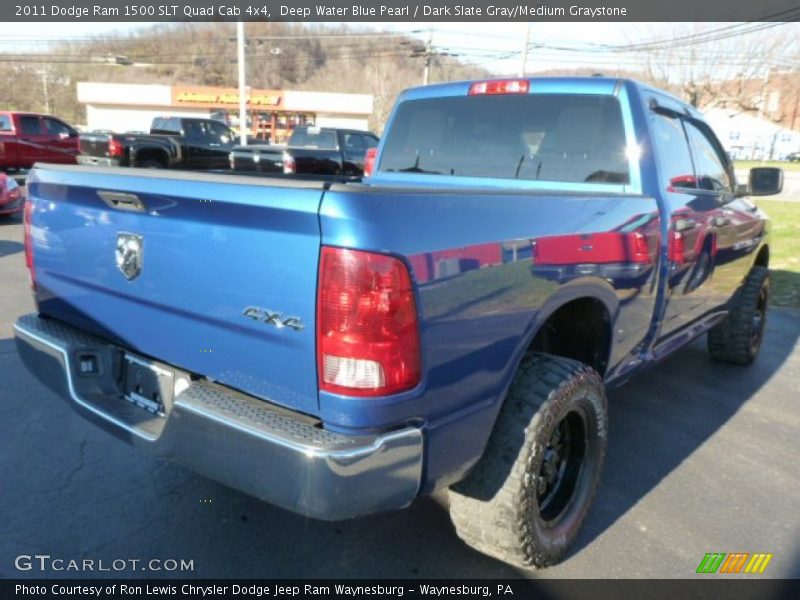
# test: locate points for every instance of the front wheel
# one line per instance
(738, 338)
(526, 499)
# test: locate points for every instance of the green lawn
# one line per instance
(781, 164)
(784, 260)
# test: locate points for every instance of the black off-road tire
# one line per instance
(502, 508)
(151, 163)
(738, 338)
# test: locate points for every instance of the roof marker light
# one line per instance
(500, 86)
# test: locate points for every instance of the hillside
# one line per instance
(279, 56)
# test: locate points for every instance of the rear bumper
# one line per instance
(97, 161)
(281, 457)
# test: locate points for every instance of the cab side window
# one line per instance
(711, 172)
(672, 151)
(29, 125)
(220, 132)
(55, 127)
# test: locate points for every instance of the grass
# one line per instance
(784, 259)
(780, 164)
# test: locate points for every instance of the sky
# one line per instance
(487, 38)
(495, 46)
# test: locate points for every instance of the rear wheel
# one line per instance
(738, 338)
(526, 499)
(151, 163)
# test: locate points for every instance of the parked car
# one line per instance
(173, 143)
(12, 197)
(450, 323)
(310, 150)
(28, 138)
(793, 156)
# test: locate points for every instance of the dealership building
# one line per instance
(272, 114)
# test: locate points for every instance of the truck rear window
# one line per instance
(321, 139)
(546, 137)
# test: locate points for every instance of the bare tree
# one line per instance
(728, 66)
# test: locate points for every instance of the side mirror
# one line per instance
(765, 181)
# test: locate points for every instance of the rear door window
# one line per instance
(544, 137)
(30, 125)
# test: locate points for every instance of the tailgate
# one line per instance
(212, 270)
(94, 144)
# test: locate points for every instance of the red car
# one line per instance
(27, 138)
(12, 198)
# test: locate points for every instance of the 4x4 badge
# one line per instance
(129, 254)
(268, 317)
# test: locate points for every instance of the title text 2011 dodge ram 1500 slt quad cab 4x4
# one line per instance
(340, 349)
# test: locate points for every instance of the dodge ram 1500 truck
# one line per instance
(450, 322)
(173, 143)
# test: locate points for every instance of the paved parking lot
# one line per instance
(703, 458)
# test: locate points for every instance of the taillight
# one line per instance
(29, 241)
(641, 251)
(369, 161)
(500, 86)
(367, 331)
(676, 248)
(115, 148)
(289, 166)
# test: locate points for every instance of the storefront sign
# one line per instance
(211, 97)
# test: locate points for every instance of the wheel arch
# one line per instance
(556, 330)
(143, 153)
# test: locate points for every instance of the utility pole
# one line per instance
(242, 89)
(524, 66)
(43, 73)
(426, 75)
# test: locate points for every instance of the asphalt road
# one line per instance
(703, 458)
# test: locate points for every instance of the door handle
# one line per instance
(685, 224)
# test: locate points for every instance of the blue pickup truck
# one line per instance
(450, 322)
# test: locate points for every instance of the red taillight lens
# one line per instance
(289, 165)
(367, 331)
(641, 251)
(115, 148)
(500, 86)
(29, 241)
(369, 161)
(14, 194)
(676, 248)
